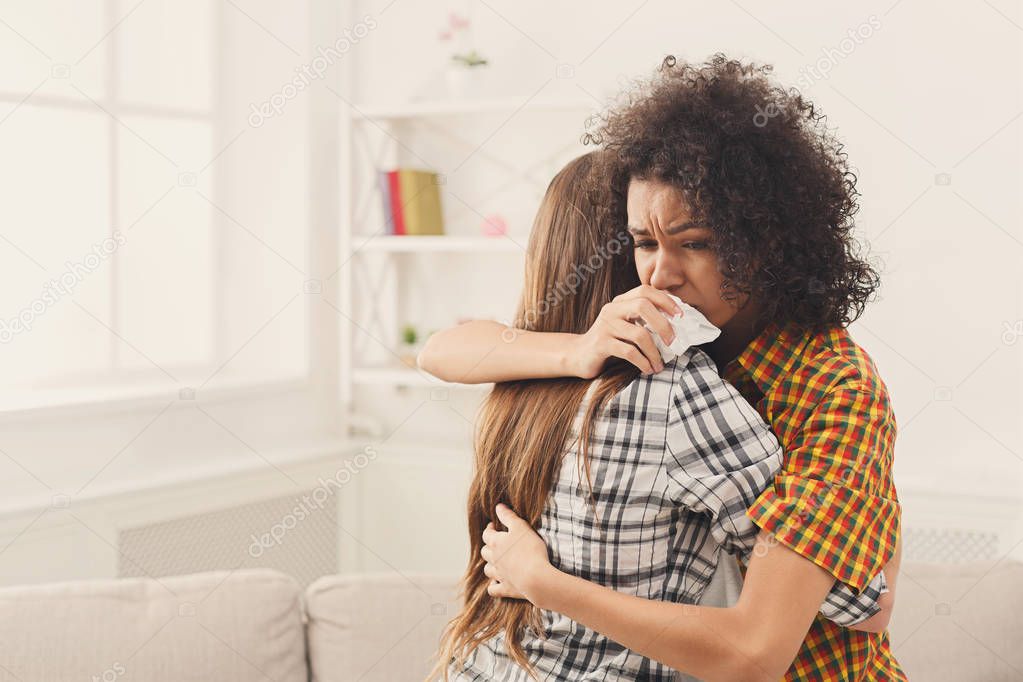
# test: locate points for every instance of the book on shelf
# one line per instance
(383, 185)
(410, 199)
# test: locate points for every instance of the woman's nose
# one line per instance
(666, 274)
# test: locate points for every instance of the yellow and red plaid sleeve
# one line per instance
(833, 502)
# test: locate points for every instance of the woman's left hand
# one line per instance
(516, 559)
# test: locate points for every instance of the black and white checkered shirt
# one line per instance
(676, 459)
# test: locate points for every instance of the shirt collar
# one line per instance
(769, 357)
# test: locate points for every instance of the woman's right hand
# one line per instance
(618, 334)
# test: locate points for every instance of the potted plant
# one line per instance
(409, 349)
(465, 71)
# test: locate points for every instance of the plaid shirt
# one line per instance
(676, 459)
(834, 501)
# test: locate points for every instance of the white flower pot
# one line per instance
(464, 81)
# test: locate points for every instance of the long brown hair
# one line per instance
(578, 259)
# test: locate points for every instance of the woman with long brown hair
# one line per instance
(636, 482)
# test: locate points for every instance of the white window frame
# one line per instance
(322, 329)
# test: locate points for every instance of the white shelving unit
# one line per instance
(369, 255)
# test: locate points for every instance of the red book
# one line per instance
(396, 212)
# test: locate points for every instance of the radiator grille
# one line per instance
(943, 545)
(297, 535)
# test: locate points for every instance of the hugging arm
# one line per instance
(756, 639)
(484, 351)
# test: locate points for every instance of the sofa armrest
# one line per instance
(374, 627)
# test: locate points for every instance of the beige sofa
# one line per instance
(957, 623)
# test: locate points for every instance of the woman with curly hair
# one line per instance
(740, 203)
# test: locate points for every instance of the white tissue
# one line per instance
(691, 329)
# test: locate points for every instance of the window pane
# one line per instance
(265, 174)
(166, 54)
(56, 206)
(166, 286)
(54, 40)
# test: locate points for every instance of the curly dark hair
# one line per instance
(757, 164)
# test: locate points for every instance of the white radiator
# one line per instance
(294, 534)
(944, 545)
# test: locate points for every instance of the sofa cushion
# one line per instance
(225, 626)
(960, 622)
(377, 627)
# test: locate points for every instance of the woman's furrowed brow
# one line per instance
(673, 230)
(682, 227)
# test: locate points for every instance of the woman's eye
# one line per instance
(646, 245)
(697, 246)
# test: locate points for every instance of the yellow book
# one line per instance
(420, 200)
